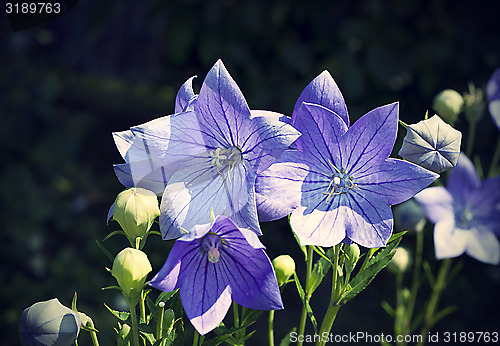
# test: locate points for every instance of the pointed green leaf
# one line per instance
(121, 315)
(305, 302)
(286, 339)
(105, 251)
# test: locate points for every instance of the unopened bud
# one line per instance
(135, 209)
(284, 266)
(400, 262)
(122, 338)
(448, 104)
(130, 268)
(352, 253)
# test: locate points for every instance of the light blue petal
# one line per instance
(324, 91)
(394, 181)
(185, 96)
(483, 246)
(142, 174)
(370, 139)
(462, 180)
(123, 141)
(368, 222)
(449, 242)
(437, 203)
(494, 109)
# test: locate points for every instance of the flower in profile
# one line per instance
(206, 156)
(49, 323)
(432, 144)
(493, 96)
(465, 213)
(215, 264)
(340, 182)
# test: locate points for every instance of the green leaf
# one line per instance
(165, 296)
(306, 303)
(114, 233)
(286, 339)
(395, 236)
(388, 308)
(178, 328)
(428, 273)
(303, 248)
(105, 251)
(121, 315)
(375, 265)
(443, 313)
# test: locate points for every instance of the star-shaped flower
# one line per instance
(340, 182)
(432, 144)
(215, 264)
(493, 96)
(465, 213)
(206, 156)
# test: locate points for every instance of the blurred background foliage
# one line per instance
(108, 65)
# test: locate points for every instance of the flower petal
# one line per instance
(437, 203)
(370, 139)
(185, 96)
(140, 174)
(449, 241)
(394, 181)
(484, 204)
(324, 91)
(462, 180)
(368, 222)
(321, 132)
(483, 246)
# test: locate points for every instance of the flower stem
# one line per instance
(415, 283)
(333, 306)
(159, 323)
(494, 160)
(437, 290)
(135, 327)
(93, 334)
(196, 338)
(271, 329)
(470, 138)
(142, 306)
(303, 317)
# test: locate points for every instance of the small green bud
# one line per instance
(352, 253)
(475, 104)
(130, 268)
(135, 210)
(122, 337)
(406, 293)
(448, 105)
(400, 262)
(284, 266)
(168, 322)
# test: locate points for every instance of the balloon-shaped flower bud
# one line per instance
(130, 268)
(352, 253)
(409, 216)
(284, 267)
(122, 338)
(49, 323)
(135, 209)
(400, 262)
(493, 96)
(448, 104)
(432, 144)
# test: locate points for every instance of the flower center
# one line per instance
(464, 219)
(210, 244)
(341, 183)
(225, 159)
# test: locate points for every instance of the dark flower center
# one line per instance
(225, 159)
(211, 244)
(464, 219)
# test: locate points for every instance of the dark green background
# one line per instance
(106, 66)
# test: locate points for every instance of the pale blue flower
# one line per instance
(466, 214)
(493, 96)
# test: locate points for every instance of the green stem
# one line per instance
(159, 323)
(196, 338)
(415, 283)
(399, 313)
(142, 306)
(470, 138)
(270, 328)
(368, 256)
(494, 160)
(135, 327)
(437, 290)
(402, 123)
(333, 307)
(303, 316)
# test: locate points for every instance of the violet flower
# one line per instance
(493, 96)
(340, 182)
(432, 144)
(215, 264)
(465, 213)
(205, 156)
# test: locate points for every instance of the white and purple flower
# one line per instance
(207, 155)
(215, 264)
(466, 214)
(340, 182)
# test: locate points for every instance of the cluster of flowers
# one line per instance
(215, 156)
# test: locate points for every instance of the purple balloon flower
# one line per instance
(340, 182)
(205, 156)
(493, 96)
(215, 264)
(466, 214)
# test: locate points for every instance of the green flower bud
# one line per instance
(284, 266)
(168, 322)
(135, 210)
(400, 262)
(475, 104)
(318, 272)
(130, 268)
(352, 253)
(123, 333)
(448, 105)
